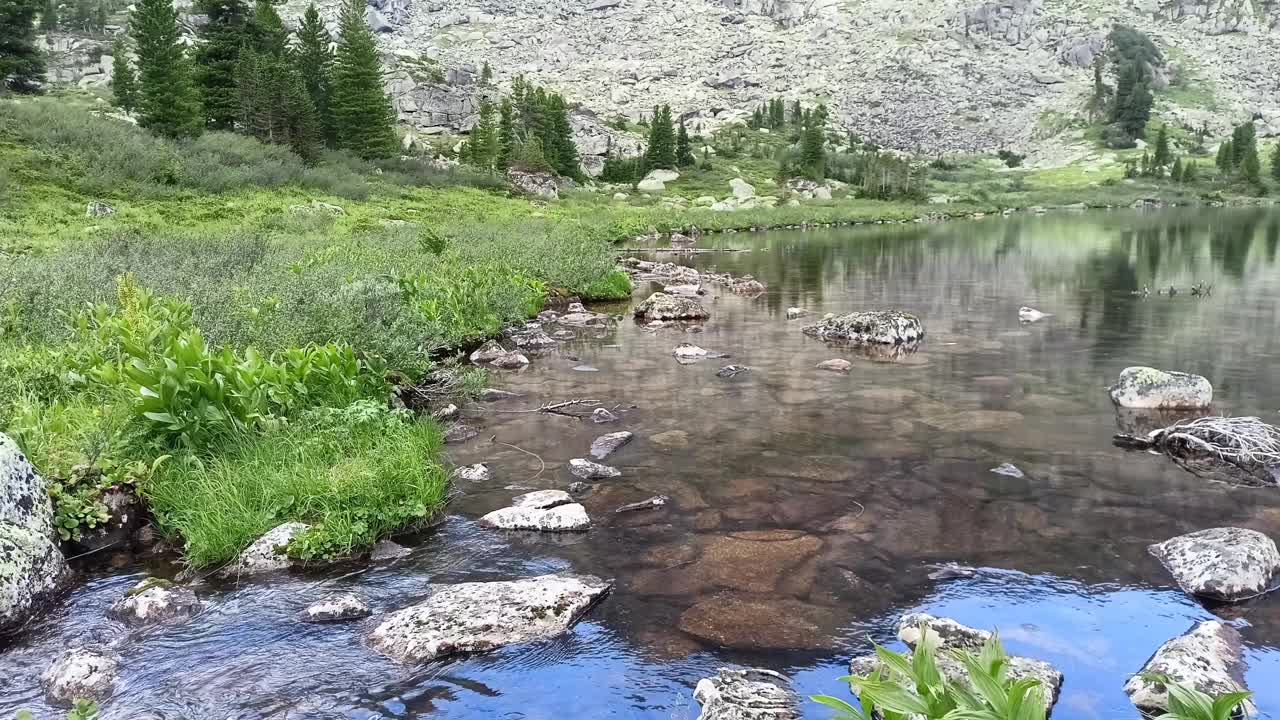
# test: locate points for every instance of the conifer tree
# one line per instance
(562, 153)
(124, 85)
(684, 149)
(1244, 140)
(275, 105)
(486, 75)
(797, 115)
(1275, 162)
(506, 134)
(314, 61)
(1223, 160)
(812, 152)
(266, 32)
(168, 102)
(482, 147)
(217, 58)
(21, 63)
(49, 16)
(1163, 155)
(661, 152)
(364, 121)
(1189, 171)
(100, 17)
(1176, 173)
(81, 16)
(1250, 166)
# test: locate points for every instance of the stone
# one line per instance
(689, 351)
(753, 561)
(795, 312)
(729, 371)
(661, 306)
(663, 175)
(154, 601)
(488, 352)
(1008, 470)
(1226, 564)
(650, 185)
(80, 674)
(749, 694)
(602, 415)
(98, 208)
(473, 473)
(337, 608)
(387, 550)
(1030, 315)
(561, 518)
(459, 433)
(1207, 658)
(446, 413)
(511, 361)
(495, 395)
(605, 445)
(761, 622)
(32, 568)
(588, 470)
(889, 327)
(540, 186)
(534, 339)
(1144, 387)
(652, 503)
(268, 553)
(839, 365)
(315, 206)
(741, 189)
(542, 499)
(482, 616)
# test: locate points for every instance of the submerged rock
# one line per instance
(459, 433)
(1008, 469)
(32, 568)
(337, 608)
(605, 445)
(761, 622)
(481, 616)
(795, 312)
(750, 694)
(388, 550)
(155, 601)
(1207, 658)
(268, 553)
(729, 371)
(688, 352)
(473, 473)
(1225, 564)
(588, 470)
(835, 365)
(1144, 387)
(652, 503)
(494, 395)
(602, 415)
(661, 306)
(80, 674)
(887, 327)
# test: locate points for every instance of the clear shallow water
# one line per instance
(807, 507)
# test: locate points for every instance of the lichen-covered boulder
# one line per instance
(32, 568)
(155, 601)
(80, 674)
(268, 553)
(337, 608)
(748, 694)
(1144, 387)
(1207, 658)
(661, 306)
(562, 516)
(587, 470)
(481, 616)
(885, 327)
(1225, 564)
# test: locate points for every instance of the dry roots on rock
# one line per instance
(1246, 442)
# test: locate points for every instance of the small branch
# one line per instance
(553, 408)
(535, 456)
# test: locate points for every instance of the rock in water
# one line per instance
(388, 550)
(459, 433)
(337, 608)
(588, 470)
(795, 312)
(661, 306)
(155, 601)
(1030, 315)
(511, 361)
(80, 674)
(886, 327)
(542, 499)
(606, 445)
(729, 371)
(267, 554)
(473, 473)
(561, 518)
(652, 503)
(1144, 387)
(481, 616)
(32, 568)
(1009, 470)
(1225, 564)
(488, 352)
(750, 694)
(1207, 658)
(602, 415)
(835, 365)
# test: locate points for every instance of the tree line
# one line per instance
(528, 130)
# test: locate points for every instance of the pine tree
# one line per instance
(797, 115)
(482, 147)
(100, 17)
(217, 58)
(266, 32)
(661, 152)
(82, 15)
(364, 121)
(168, 102)
(812, 152)
(564, 157)
(1132, 107)
(314, 60)
(1275, 162)
(21, 63)
(486, 75)
(506, 134)
(1146, 164)
(1225, 156)
(684, 149)
(275, 104)
(1163, 155)
(1176, 173)
(124, 84)
(1244, 140)
(1189, 172)
(1250, 166)
(49, 16)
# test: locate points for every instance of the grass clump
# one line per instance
(614, 286)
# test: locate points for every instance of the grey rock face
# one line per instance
(1207, 658)
(476, 617)
(337, 608)
(605, 445)
(80, 673)
(750, 694)
(1144, 387)
(588, 470)
(32, 568)
(267, 554)
(1224, 564)
(154, 602)
(661, 306)
(884, 327)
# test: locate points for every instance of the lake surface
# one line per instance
(808, 508)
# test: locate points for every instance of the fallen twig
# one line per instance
(541, 462)
(553, 408)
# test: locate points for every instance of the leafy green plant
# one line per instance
(1188, 703)
(80, 710)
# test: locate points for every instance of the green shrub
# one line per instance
(614, 286)
(1188, 703)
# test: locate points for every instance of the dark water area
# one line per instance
(808, 508)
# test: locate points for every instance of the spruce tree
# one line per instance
(506, 134)
(1250, 166)
(217, 59)
(482, 147)
(21, 63)
(168, 103)
(124, 85)
(1275, 162)
(1225, 156)
(314, 60)
(812, 153)
(797, 115)
(81, 16)
(684, 149)
(1244, 140)
(266, 32)
(275, 105)
(1189, 172)
(364, 121)
(1176, 173)
(100, 17)
(565, 159)
(661, 152)
(1163, 155)
(49, 16)
(486, 75)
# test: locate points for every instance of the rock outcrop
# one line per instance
(1208, 658)
(1225, 564)
(154, 601)
(32, 568)
(750, 694)
(1148, 388)
(481, 616)
(883, 327)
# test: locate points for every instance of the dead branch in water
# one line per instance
(1246, 442)
(554, 408)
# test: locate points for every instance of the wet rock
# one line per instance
(688, 352)
(543, 511)
(751, 694)
(542, 499)
(446, 413)
(1226, 564)
(887, 327)
(1009, 470)
(154, 602)
(582, 318)
(729, 371)
(387, 550)
(473, 473)
(511, 361)
(602, 415)
(749, 286)
(1144, 387)
(661, 306)
(753, 561)
(1030, 315)
(683, 290)
(494, 395)
(588, 470)
(952, 571)
(1208, 658)
(795, 312)
(459, 433)
(488, 352)
(267, 554)
(579, 488)
(564, 335)
(548, 316)
(971, 420)
(337, 608)
(835, 365)
(80, 674)
(760, 622)
(534, 340)
(32, 568)
(476, 617)
(652, 503)
(585, 368)
(605, 445)
(671, 439)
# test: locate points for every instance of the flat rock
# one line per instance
(602, 415)
(588, 470)
(562, 518)
(267, 554)
(154, 601)
(542, 499)
(605, 445)
(459, 433)
(661, 306)
(1207, 658)
(510, 361)
(487, 353)
(688, 352)
(388, 550)
(885, 327)
(652, 503)
(534, 340)
(748, 694)
(1144, 387)
(337, 608)
(729, 371)
(32, 568)
(835, 365)
(1008, 470)
(1226, 564)
(482, 616)
(473, 473)
(80, 674)
(753, 561)
(762, 622)
(494, 395)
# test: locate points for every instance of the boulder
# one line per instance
(839, 365)
(388, 550)
(886, 327)
(605, 445)
(741, 189)
(1207, 658)
(663, 176)
(511, 361)
(1144, 387)
(447, 413)
(542, 499)
(544, 511)
(588, 470)
(80, 674)
(650, 185)
(795, 312)
(602, 415)
(459, 434)
(495, 395)
(473, 473)
(749, 694)
(661, 306)
(1226, 564)
(337, 608)
(155, 601)
(268, 553)
(32, 568)
(481, 616)
(729, 371)
(98, 208)
(541, 186)
(535, 339)
(488, 352)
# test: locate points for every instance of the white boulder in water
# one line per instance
(1030, 315)
(543, 511)
(748, 694)
(80, 674)
(587, 470)
(1207, 658)
(1149, 388)
(32, 568)
(155, 601)
(337, 608)
(1226, 564)
(885, 327)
